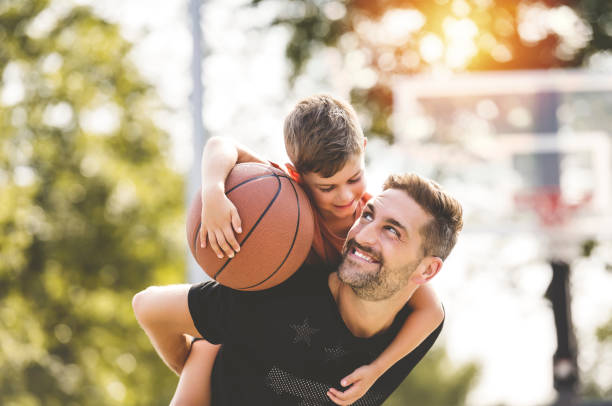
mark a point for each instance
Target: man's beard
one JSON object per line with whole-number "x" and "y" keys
{"x": 372, "y": 285}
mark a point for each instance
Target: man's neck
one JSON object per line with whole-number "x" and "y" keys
{"x": 366, "y": 318}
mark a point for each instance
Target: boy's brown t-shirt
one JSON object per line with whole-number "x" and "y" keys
{"x": 326, "y": 245}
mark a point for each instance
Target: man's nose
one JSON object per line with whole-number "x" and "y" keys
{"x": 367, "y": 235}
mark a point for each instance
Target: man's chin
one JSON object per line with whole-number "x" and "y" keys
{"x": 356, "y": 274}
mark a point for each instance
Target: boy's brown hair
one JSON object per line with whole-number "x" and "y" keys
{"x": 440, "y": 234}
{"x": 321, "y": 134}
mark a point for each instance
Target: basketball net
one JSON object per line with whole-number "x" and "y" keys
{"x": 554, "y": 214}
{"x": 548, "y": 204}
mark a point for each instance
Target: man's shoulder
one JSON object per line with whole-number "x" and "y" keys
{"x": 308, "y": 279}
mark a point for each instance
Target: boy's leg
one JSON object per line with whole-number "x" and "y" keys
{"x": 194, "y": 386}
{"x": 163, "y": 313}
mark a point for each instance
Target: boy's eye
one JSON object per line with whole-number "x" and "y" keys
{"x": 354, "y": 180}
{"x": 326, "y": 189}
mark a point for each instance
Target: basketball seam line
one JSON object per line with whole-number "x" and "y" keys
{"x": 256, "y": 178}
{"x": 297, "y": 227}
{"x": 258, "y": 220}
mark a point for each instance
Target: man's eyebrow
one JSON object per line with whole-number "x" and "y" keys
{"x": 392, "y": 221}
{"x": 397, "y": 224}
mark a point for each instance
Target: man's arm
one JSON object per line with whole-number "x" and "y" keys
{"x": 163, "y": 313}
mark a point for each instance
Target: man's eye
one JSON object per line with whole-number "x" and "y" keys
{"x": 393, "y": 231}
{"x": 367, "y": 216}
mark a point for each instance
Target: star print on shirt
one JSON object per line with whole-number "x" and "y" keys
{"x": 303, "y": 332}
{"x": 333, "y": 353}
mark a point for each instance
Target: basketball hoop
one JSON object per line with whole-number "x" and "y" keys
{"x": 549, "y": 205}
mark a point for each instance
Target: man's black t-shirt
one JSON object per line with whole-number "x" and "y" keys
{"x": 288, "y": 345}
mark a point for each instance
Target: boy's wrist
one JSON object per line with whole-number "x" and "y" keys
{"x": 214, "y": 188}
{"x": 378, "y": 367}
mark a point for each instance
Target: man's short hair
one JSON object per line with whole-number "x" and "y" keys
{"x": 439, "y": 234}
{"x": 321, "y": 134}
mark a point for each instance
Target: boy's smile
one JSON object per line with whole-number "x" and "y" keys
{"x": 337, "y": 197}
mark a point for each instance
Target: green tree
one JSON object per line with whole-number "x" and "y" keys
{"x": 593, "y": 388}
{"x": 435, "y": 382}
{"x": 89, "y": 212}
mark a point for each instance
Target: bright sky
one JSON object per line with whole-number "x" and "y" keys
{"x": 502, "y": 322}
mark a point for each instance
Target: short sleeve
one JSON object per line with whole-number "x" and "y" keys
{"x": 210, "y": 306}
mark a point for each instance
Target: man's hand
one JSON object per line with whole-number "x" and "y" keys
{"x": 361, "y": 380}
{"x": 219, "y": 221}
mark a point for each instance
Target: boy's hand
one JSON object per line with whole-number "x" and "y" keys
{"x": 219, "y": 221}
{"x": 361, "y": 379}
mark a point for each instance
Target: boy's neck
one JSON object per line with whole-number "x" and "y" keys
{"x": 339, "y": 226}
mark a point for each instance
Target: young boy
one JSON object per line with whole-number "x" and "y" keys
{"x": 326, "y": 147}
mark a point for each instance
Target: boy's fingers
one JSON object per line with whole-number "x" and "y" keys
{"x": 223, "y": 245}
{"x": 337, "y": 397}
{"x": 352, "y": 394}
{"x": 212, "y": 240}
{"x": 334, "y": 398}
{"x": 203, "y": 234}
{"x": 231, "y": 239}
{"x": 349, "y": 379}
{"x": 236, "y": 222}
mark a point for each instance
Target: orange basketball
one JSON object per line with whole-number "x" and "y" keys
{"x": 277, "y": 229}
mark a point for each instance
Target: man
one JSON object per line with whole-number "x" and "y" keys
{"x": 293, "y": 343}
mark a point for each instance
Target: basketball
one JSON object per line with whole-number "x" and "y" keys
{"x": 277, "y": 229}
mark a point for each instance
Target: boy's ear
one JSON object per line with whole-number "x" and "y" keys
{"x": 293, "y": 172}
{"x": 365, "y": 142}
{"x": 427, "y": 269}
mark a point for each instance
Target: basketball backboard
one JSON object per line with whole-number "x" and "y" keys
{"x": 530, "y": 151}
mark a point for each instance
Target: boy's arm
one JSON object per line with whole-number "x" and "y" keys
{"x": 219, "y": 215}
{"x": 426, "y": 316}
{"x": 164, "y": 315}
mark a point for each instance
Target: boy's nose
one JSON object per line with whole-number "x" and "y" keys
{"x": 345, "y": 195}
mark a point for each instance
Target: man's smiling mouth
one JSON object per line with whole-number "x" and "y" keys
{"x": 363, "y": 256}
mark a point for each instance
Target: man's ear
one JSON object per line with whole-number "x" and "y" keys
{"x": 427, "y": 269}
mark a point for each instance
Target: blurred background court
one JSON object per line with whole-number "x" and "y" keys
{"x": 507, "y": 104}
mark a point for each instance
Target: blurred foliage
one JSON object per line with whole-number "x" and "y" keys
{"x": 89, "y": 212}
{"x": 593, "y": 388}
{"x": 435, "y": 382}
{"x": 508, "y": 35}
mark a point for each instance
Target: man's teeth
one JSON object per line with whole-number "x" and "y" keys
{"x": 363, "y": 256}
